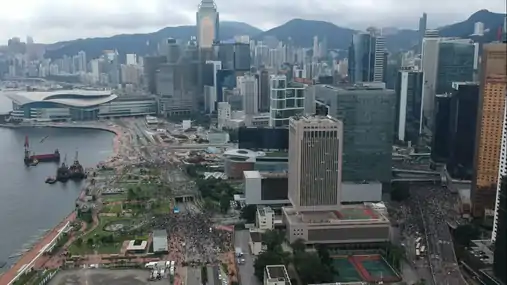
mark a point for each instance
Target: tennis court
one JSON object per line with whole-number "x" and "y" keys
{"x": 374, "y": 268}
{"x": 347, "y": 271}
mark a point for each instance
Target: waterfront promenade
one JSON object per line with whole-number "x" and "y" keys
{"x": 28, "y": 260}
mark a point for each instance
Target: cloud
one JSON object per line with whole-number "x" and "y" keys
{"x": 53, "y": 20}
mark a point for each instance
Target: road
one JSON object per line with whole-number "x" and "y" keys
{"x": 246, "y": 270}
{"x": 441, "y": 255}
{"x": 193, "y": 276}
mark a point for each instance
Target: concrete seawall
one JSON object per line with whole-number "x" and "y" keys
{"x": 62, "y": 126}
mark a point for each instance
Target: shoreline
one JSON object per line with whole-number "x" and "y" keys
{"x": 61, "y": 126}
{"x": 26, "y": 261}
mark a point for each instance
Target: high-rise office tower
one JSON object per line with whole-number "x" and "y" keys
{"x": 440, "y": 132}
{"x": 207, "y": 24}
{"x": 500, "y": 258}
{"x": 264, "y": 97}
{"x": 462, "y": 126}
{"x": 493, "y": 85}
{"x": 366, "y": 60}
{"x": 429, "y": 63}
{"x": 408, "y": 90}
{"x": 501, "y": 191}
{"x": 287, "y": 100}
{"x": 422, "y": 30}
{"x": 316, "y": 51}
{"x": 456, "y": 59}
{"x": 315, "y": 148}
{"x": 368, "y": 113}
{"x": 249, "y": 89}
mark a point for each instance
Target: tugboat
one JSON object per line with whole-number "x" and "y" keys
{"x": 50, "y": 180}
{"x": 63, "y": 173}
{"x": 76, "y": 170}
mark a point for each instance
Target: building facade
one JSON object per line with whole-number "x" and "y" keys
{"x": 408, "y": 89}
{"x": 287, "y": 100}
{"x": 78, "y": 105}
{"x": 315, "y": 159}
{"x": 207, "y": 24}
{"x": 337, "y": 227}
{"x": 249, "y": 89}
{"x": 366, "y": 59}
{"x": 500, "y": 233}
{"x": 456, "y": 60}
{"x": 367, "y": 113}
{"x": 492, "y": 90}
{"x": 463, "y": 123}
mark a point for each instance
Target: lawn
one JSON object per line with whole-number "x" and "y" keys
{"x": 163, "y": 207}
{"x": 114, "y": 198}
{"x": 112, "y": 208}
{"x": 96, "y": 234}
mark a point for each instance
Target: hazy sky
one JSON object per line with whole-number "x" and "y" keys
{"x": 54, "y": 20}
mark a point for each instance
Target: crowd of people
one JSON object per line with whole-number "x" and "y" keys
{"x": 197, "y": 238}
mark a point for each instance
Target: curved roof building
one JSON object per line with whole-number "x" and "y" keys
{"x": 68, "y": 98}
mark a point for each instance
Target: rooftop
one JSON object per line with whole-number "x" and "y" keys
{"x": 274, "y": 174}
{"x": 316, "y": 119}
{"x": 277, "y": 272}
{"x": 347, "y": 214}
{"x": 265, "y": 210}
{"x": 277, "y": 154}
{"x": 256, "y": 236}
{"x": 73, "y": 97}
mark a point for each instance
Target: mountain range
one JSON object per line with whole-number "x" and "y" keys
{"x": 299, "y": 30}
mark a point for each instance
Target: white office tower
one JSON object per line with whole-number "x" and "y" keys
{"x": 478, "y": 29}
{"x": 378, "y": 67}
{"x": 249, "y": 89}
{"x": 429, "y": 64}
{"x": 95, "y": 70}
{"x": 316, "y": 54}
{"x": 315, "y": 159}
{"x": 131, "y": 59}
{"x": 81, "y": 61}
{"x": 502, "y": 171}
{"x": 223, "y": 114}
{"x": 287, "y": 100}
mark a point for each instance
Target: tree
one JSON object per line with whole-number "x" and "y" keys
{"x": 324, "y": 255}
{"x": 400, "y": 192}
{"x": 225, "y": 204}
{"x": 248, "y": 213}
{"x": 298, "y": 246}
{"x": 272, "y": 239}
{"x": 90, "y": 241}
{"x": 464, "y": 234}
{"x": 264, "y": 259}
{"x": 310, "y": 268}
{"x": 131, "y": 194}
{"x": 79, "y": 242}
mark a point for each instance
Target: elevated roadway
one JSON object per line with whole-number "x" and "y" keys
{"x": 411, "y": 171}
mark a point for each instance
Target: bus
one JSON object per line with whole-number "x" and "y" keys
{"x": 417, "y": 245}
{"x": 418, "y": 240}
{"x": 417, "y": 253}
{"x": 423, "y": 248}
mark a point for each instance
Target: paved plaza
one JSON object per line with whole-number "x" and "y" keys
{"x": 104, "y": 277}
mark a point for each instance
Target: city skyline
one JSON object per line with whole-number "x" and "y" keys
{"x": 54, "y": 20}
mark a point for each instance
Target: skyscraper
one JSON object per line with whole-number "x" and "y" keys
{"x": 408, "y": 104}
{"x": 455, "y": 64}
{"x": 249, "y": 89}
{"x": 493, "y": 85}
{"x": 207, "y": 24}
{"x": 366, "y": 58}
{"x": 315, "y": 148}
{"x": 422, "y": 29}
{"x": 287, "y": 100}
{"x": 500, "y": 258}
{"x": 368, "y": 115}
{"x": 462, "y": 127}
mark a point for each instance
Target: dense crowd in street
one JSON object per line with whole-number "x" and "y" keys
{"x": 200, "y": 241}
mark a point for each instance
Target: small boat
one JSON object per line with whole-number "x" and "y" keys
{"x": 50, "y": 180}
{"x": 34, "y": 162}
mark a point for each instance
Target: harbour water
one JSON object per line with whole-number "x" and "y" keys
{"x": 28, "y": 206}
